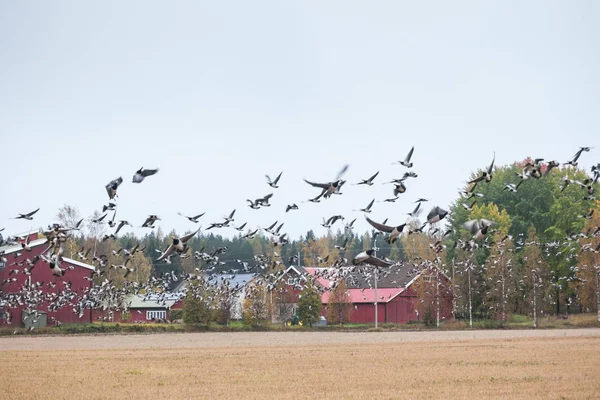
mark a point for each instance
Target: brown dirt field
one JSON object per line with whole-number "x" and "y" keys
{"x": 482, "y": 364}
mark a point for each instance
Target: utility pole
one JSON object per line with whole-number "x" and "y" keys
{"x": 453, "y": 292}
{"x": 437, "y": 296}
{"x": 299, "y": 260}
{"x": 470, "y": 303}
{"x": 534, "y": 299}
{"x": 376, "y": 273}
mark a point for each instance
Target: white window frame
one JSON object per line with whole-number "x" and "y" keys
{"x": 156, "y": 314}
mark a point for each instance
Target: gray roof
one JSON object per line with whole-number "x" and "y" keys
{"x": 232, "y": 280}
{"x": 394, "y": 277}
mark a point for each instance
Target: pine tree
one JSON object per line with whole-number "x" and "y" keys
{"x": 309, "y": 306}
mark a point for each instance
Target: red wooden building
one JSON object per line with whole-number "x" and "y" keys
{"x": 13, "y": 277}
{"x": 397, "y": 298}
{"x": 154, "y": 308}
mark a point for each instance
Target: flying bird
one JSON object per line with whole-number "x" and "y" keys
{"x": 367, "y": 257}
{"x": 194, "y": 218}
{"x": 273, "y": 183}
{"x": 406, "y": 161}
{"x": 416, "y": 211}
{"x": 28, "y": 216}
{"x": 142, "y": 173}
{"x": 177, "y": 245}
{"x": 111, "y": 206}
{"x": 551, "y": 165}
{"x": 399, "y": 188}
{"x": 149, "y": 223}
{"x": 330, "y": 188}
{"x": 112, "y": 186}
{"x": 264, "y": 201}
{"x": 512, "y": 187}
{"x": 573, "y": 161}
{"x": 121, "y": 225}
{"x": 478, "y": 227}
{"x": 394, "y": 231}
{"x": 436, "y": 215}
{"x": 291, "y": 207}
{"x": 367, "y": 209}
{"x": 369, "y": 181}
{"x": 99, "y": 219}
{"x": 486, "y": 175}
{"x": 229, "y": 218}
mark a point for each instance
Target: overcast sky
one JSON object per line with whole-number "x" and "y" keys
{"x": 218, "y": 94}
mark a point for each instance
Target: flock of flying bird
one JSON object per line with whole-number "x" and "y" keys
{"x": 108, "y": 296}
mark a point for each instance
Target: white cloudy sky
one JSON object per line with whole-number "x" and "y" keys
{"x": 217, "y": 94}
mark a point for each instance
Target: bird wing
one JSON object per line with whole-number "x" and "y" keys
{"x": 409, "y": 155}
{"x": 377, "y": 262}
{"x": 434, "y": 211}
{"x": 371, "y": 204}
{"x": 491, "y": 167}
{"x": 31, "y": 213}
{"x": 576, "y": 156}
{"x": 198, "y": 216}
{"x": 277, "y": 179}
{"x": 373, "y": 177}
{"x": 476, "y": 180}
{"x": 380, "y": 227}
{"x": 187, "y": 237}
{"x": 486, "y": 222}
{"x": 167, "y": 253}
{"x": 148, "y": 172}
{"x": 416, "y": 209}
{"x": 472, "y": 226}
{"x": 319, "y": 185}
{"x": 117, "y": 182}
{"x": 342, "y": 172}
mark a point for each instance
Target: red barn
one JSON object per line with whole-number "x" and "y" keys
{"x": 397, "y": 298}
{"x": 153, "y": 308}
{"x": 13, "y": 276}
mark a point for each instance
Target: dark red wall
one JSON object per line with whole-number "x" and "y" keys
{"x": 42, "y": 273}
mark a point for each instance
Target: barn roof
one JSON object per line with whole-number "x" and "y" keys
{"x": 79, "y": 264}
{"x": 362, "y": 277}
{"x": 13, "y": 248}
{"x": 231, "y": 280}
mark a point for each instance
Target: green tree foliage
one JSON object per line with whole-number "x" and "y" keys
{"x": 554, "y": 213}
{"x": 197, "y": 305}
{"x": 309, "y": 306}
{"x": 587, "y": 282}
{"x": 255, "y": 307}
{"x": 339, "y": 307}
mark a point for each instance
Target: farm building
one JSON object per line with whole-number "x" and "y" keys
{"x": 398, "y": 297}
{"x": 15, "y": 273}
{"x": 152, "y": 308}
